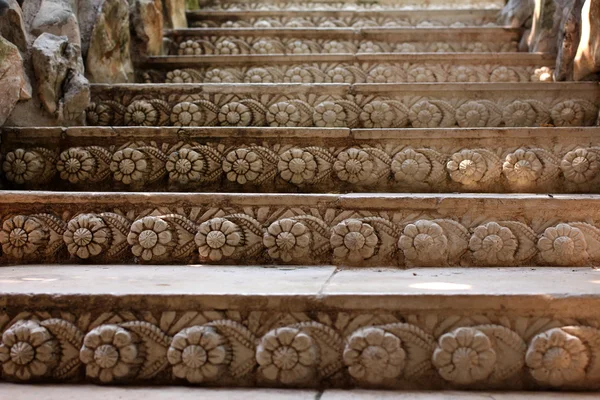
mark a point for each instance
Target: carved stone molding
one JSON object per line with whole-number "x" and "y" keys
{"x": 302, "y": 349}
{"x": 352, "y": 106}
{"x": 309, "y": 230}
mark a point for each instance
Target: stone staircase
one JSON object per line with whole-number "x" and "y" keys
{"x": 379, "y": 194}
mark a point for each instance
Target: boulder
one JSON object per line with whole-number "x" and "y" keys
{"x": 12, "y": 26}
{"x": 57, "y": 17}
{"x": 108, "y": 58}
{"x": 175, "y": 13}
{"x": 59, "y": 71}
{"x": 568, "y": 41}
{"x": 517, "y": 13}
{"x": 147, "y": 26}
{"x": 14, "y": 85}
{"x": 587, "y": 57}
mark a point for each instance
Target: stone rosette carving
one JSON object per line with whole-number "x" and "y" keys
{"x": 424, "y": 243}
{"x": 150, "y": 238}
{"x": 76, "y": 165}
{"x": 297, "y": 166}
{"x": 185, "y": 166}
{"x": 353, "y": 165}
{"x": 493, "y": 244}
{"x": 353, "y": 240}
{"x": 218, "y": 238}
{"x": 86, "y": 236}
{"x": 22, "y": 236}
{"x": 580, "y": 165}
{"x": 563, "y": 245}
{"x": 287, "y": 240}
{"x": 23, "y": 166}
{"x": 242, "y": 166}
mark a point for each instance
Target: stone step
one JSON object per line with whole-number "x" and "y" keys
{"x": 89, "y": 392}
{"x": 521, "y": 328}
{"x": 340, "y": 68}
{"x": 562, "y": 160}
{"x": 341, "y": 18}
{"x": 254, "y": 229}
{"x": 343, "y": 105}
{"x": 352, "y": 5}
{"x": 233, "y": 41}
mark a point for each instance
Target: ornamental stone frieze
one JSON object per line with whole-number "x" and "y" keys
{"x": 282, "y": 160}
{"x": 402, "y": 231}
{"x": 344, "y": 105}
{"x": 301, "y": 349}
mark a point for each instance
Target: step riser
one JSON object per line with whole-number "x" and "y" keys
{"x": 345, "y": 230}
{"x": 416, "y": 106}
{"x": 383, "y": 157}
{"x": 234, "y": 41}
{"x": 245, "y": 337}
{"x": 354, "y": 5}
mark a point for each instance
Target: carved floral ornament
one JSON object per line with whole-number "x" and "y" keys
{"x": 305, "y": 354}
{"x": 239, "y": 238}
{"x": 189, "y": 165}
{"x": 337, "y": 111}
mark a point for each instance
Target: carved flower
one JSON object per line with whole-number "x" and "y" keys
{"x": 217, "y": 75}
{"x": 519, "y": 113}
{"x": 149, "y": 238}
{"x": 22, "y": 166}
{"x": 424, "y": 243}
{"x": 568, "y": 113}
{"x": 440, "y": 47}
{"x": 543, "y": 74}
{"x": 21, "y": 235}
{"x": 128, "y": 165}
{"x": 227, "y": 47}
{"x": 504, "y": 74}
{"x": 373, "y": 354}
{"x": 99, "y": 115}
{"x": 493, "y": 244}
{"x": 580, "y": 166}
{"x": 76, "y": 164}
{"x": 287, "y": 355}
{"x": 86, "y": 236}
{"x": 27, "y": 350}
{"x": 258, "y": 75}
{"x": 287, "y": 239}
{"x": 297, "y": 166}
{"x": 242, "y": 165}
{"x": 354, "y": 240}
{"x": 369, "y": 47}
{"x": 178, "y": 76}
{"x": 217, "y": 238}
{"x": 472, "y": 114}
{"x": 186, "y": 114}
{"x": 199, "y": 354}
{"x": 298, "y": 75}
{"x": 410, "y": 166}
{"x": 477, "y": 47}
{"x": 462, "y": 74}
{"x": 235, "y": 114}
{"x": 421, "y": 74}
{"x": 141, "y": 113}
{"x": 522, "y": 167}
{"x": 340, "y": 75}
{"x": 283, "y": 114}
{"x": 467, "y": 167}
{"x": 329, "y": 114}
{"x": 382, "y": 74}
{"x": 556, "y": 357}
{"x": 563, "y": 245}
{"x": 189, "y": 48}
{"x": 185, "y": 166}
{"x": 298, "y": 47}
{"x": 353, "y": 165}
{"x": 425, "y": 115}
{"x": 377, "y": 114}
{"x": 109, "y": 352}
{"x": 464, "y": 356}
{"x": 264, "y": 46}
{"x": 405, "y": 48}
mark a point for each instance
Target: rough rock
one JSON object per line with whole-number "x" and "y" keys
{"x": 147, "y": 26}
{"x": 544, "y": 29}
{"x": 57, "y": 17}
{"x": 108, "y": 59}
{"x": 175, "y": 12}
{"x": 568, "y": 41}
{"x": 12, "y": 26}
{"x": 587, "y": 59}
{"x": 14, "y": 85}
{"x": 56, "y": 65}
{"x": 517, "y": 13}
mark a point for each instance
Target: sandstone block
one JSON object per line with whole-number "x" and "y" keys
{"x": 14, "y": 85}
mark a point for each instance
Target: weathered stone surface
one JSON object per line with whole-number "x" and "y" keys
{"x": 568, "y": 41}
{"x": 14, "y": 85}
{"x": 54, "y": 60}
{"x": 175, "y": 13}
{"x": 59, "y": 18}
{"x": 12, "y": 26}
{"x": 587, "y": 59}
{"x": 517, "y": 13}
{"x": 108, "y": 57}
{"x": 147, "y": 26}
